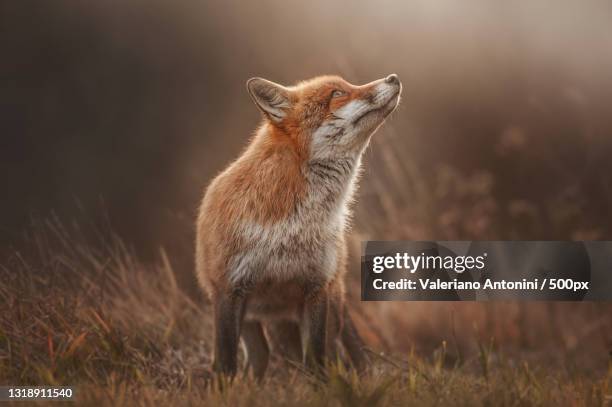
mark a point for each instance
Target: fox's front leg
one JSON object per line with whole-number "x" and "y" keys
{"x": 314, "y": 327}
{"x": 229, "y": 312}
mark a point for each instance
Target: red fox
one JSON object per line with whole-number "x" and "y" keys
{"x": 271, "y": 228}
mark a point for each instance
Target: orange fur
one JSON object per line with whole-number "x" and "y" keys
{"x": 270, "y": 233}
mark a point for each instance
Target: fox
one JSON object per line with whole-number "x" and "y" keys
{"x": 271, "y": 246}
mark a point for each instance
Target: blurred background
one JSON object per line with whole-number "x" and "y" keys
{"x": 124, "y": 111}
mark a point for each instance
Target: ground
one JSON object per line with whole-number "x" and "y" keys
{"x": 124, "y": 333}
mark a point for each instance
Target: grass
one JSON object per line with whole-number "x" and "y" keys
{"x": 93, "y": 316}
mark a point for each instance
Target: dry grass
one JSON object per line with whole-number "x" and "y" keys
{"x": 125, "y": 333}
{"x": 503, "y": 134}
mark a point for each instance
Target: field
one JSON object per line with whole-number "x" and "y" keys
{"x": 125, "y": 333}
{"x": 117, "y": 114}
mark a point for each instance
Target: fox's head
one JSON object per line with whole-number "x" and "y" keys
{"x": 326, "y": 116}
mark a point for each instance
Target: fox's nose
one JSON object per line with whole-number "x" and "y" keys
{"x": 393, "y": 78}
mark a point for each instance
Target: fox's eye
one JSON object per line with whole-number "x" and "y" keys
{"x": 337, "y": 93}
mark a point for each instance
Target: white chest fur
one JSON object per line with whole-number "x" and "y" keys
{"x": 303, "y": 246}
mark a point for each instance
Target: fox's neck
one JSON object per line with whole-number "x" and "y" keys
{"x": 327, "y": 183}
{"x": 331, "y": 182}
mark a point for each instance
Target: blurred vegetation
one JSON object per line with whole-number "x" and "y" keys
{"x": 503, "y": 131}
{"x": 120, "y": 113}
{"x": 124, "y": 333}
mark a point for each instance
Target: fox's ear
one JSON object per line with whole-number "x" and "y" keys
{"x": 271, "y": 98}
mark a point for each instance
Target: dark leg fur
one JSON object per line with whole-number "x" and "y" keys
{"x": 229, "y": 310}
{"x": 314, "y": 329}
{"x": 334, "y": 327}
{"x": 353, "y": 344}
